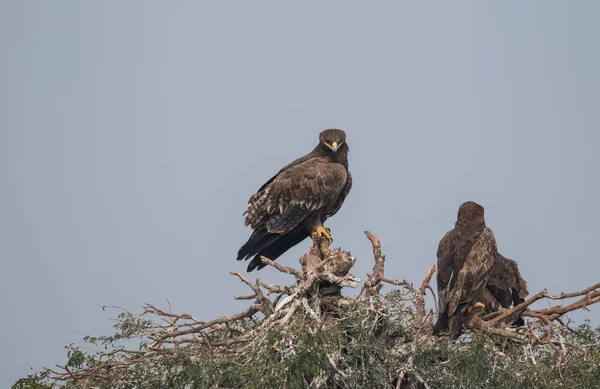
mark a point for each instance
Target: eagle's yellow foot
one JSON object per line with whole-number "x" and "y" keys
{"x": 330, "y": 238}
{"x": 475, "y": 307}
{"x": 322, "y": 232}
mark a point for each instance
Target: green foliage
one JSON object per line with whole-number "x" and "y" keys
{"x": 365, "y": 346}
{"x": 481, "y": 363}
{"x": 34, "y": 381}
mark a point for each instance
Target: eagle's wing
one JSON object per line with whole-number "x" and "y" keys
{"x": 503, "y": 282}
{"x": 474, "y": 274}
{"x": 444, "y": 270}
{"x": 520, "y": 283}
{"x": 506, "y": 283}
{"x": 295, "y": 194}
{"x": 489, "y": 300}
{"x": 286, "y": 167}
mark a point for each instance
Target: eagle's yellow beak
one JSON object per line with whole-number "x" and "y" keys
{"x": 334, "y": 146}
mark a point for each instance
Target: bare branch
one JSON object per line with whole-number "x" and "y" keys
{"x": 420, "y": 296}
{"x": 281, "y": 268}
{"x": 373, "y": 283}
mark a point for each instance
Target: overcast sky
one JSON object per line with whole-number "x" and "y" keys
{"x": 133, "y": 133}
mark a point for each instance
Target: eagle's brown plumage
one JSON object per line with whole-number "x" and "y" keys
{"x": 300, "y": 197}
{"x": 466, "y": 256}
{"x": 506, "y": 287}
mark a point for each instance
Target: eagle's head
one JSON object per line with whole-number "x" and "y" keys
{"x": 470, "y": 213}
{"x": 332, "y": 140}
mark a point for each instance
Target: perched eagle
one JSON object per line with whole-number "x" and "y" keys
{"x": 505, "y": 287}
{"x": 466, "y": 256}
{"x": 295, "y": 202}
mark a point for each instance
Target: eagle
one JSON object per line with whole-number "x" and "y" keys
{"x": 296, "y": 201}
{"x": 465, "y": 259}
{"x": 506, "y": 287}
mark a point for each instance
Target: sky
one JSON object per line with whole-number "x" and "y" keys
{"x": 133, "y": 133}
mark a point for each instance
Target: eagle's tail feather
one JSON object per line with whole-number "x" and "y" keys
{"x": 441, "y": 324}
{"x": 272, "y": 246}
{"x": 519, "y": 322}
{"x": 257, "y": 241}
{"x": 450, "y": 324}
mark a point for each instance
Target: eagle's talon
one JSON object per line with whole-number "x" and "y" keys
{"x": 322, "y": 232}
{"x": 330, "y": 238}
{"x": 479, "y": 305}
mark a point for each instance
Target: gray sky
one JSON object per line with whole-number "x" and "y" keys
{"x": 132, "y": 134}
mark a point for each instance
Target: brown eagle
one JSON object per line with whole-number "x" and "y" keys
{"x": 466, "y": 256}
{"x": 506, "y": 287}
{"x": 295, "y": 202}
